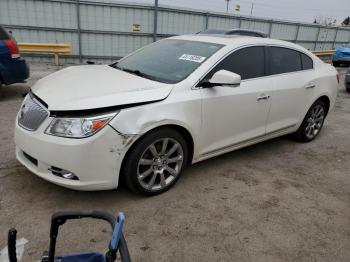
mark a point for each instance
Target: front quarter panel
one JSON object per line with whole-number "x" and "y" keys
{"x": 181, "y": 108}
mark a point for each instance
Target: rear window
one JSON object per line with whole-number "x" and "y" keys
{"x": 307, "y": 62}
{"x": 283, "y": 60}
{"x": 3, "y": 34}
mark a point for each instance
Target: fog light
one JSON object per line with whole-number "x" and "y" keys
{"x": 69, "y": 176}
{"x": 63, "y": 173}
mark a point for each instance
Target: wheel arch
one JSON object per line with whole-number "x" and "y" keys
{"x": 2, "y": 70}
{"x": 299, "y": 133}
{"x": 325, "y": 99}
{"x": 186, "y": 134}
{"x": 2, "y": 82}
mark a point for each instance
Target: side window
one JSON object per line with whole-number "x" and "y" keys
{"x": 306, "y": 62}
{"x": 248, "y": 62}
{"x": 283, "y": 60}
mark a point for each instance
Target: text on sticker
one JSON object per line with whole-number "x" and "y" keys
{"x": 193, "y": 58}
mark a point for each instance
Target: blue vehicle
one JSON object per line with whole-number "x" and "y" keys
{"x": 341, "y": 56}
{"x": 13, "y": 68}
{"x": 116, "y": 245}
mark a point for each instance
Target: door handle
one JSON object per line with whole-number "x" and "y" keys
{"x": 310, "y": 86}
{"x": 263, "y": 97}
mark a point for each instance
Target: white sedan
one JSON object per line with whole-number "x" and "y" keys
{"x": 172, "y": 103}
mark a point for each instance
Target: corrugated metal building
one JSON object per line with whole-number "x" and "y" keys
{"x": 105, "y": 31}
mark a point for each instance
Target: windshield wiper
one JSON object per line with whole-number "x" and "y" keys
{"x": 138, "y": 73}
{"x": 115, "y": 65}
{"x": 135, "y": 72}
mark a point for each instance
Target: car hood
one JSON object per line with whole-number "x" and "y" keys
{"x": 96, "y": 86}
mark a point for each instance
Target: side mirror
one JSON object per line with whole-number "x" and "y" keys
{"x": 223, "y": 78}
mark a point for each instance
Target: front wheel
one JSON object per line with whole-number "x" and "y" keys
{"x": 312, "y": 123}
{"x": 155, "y": 163}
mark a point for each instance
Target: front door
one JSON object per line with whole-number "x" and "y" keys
{"x": 236, "y": 115}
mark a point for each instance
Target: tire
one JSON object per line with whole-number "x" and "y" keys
{"x": 336, "y": 64}
{"x": 312, "y": 123}
{"x": 158, "y": 171}
{"x": 348, "y": 89}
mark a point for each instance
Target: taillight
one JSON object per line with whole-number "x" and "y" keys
{"x": 338, "y": 78}
{"x": 13, "y": 48}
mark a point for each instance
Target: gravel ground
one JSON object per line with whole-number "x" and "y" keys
{"x": 276, "y": 201}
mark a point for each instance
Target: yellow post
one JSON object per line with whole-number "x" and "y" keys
{"x": 56, "y": 59}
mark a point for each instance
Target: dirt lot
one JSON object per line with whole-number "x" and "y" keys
{"x": 275, "y": 201}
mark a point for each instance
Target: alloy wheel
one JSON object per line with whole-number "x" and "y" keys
{"x": 315, "y": 121}
{"x": 160, "y": 164}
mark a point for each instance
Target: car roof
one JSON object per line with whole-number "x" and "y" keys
{"x": 243, "y": 32}
{"x": 235, "y": 41}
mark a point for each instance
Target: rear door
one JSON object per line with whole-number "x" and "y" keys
{"x": 290, "y": 72}
{"x": 235, "y": 115}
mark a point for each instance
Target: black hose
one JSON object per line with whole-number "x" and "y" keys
{"x": 11, "y": 245}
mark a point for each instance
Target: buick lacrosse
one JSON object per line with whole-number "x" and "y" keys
{"x": 172, "y": 103}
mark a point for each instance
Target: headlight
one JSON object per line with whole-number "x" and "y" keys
{"x": 78, "y": 127}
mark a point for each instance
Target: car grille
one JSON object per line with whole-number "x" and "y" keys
{"x": 32, "y": 114}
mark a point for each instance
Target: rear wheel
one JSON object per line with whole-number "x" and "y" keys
{"x": 312, "y": 123}
{"x": 156, "y": 162}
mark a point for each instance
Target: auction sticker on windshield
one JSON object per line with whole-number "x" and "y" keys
{"x": 192, "y": 58}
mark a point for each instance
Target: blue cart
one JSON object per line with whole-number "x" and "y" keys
{"x": 117, "y": 243}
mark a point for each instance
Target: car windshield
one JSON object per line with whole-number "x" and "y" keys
{"x": 169, "y": 60}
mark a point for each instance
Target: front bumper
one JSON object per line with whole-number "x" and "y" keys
{"x": 341, "y": 60}
{"x": 95, "y": 160}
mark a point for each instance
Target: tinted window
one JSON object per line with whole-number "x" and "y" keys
{"x": 3, "y": 34}
{"x": 247, "y": 62}
{"x": 283, "y": 60}
{"x": 306, "y": 61}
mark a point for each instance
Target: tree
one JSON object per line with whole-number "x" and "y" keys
{"x": 346, "y": 21}
{"x": 325, "y": 20}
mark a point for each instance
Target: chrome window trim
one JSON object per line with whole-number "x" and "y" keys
{"x": 195, "y": 87}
